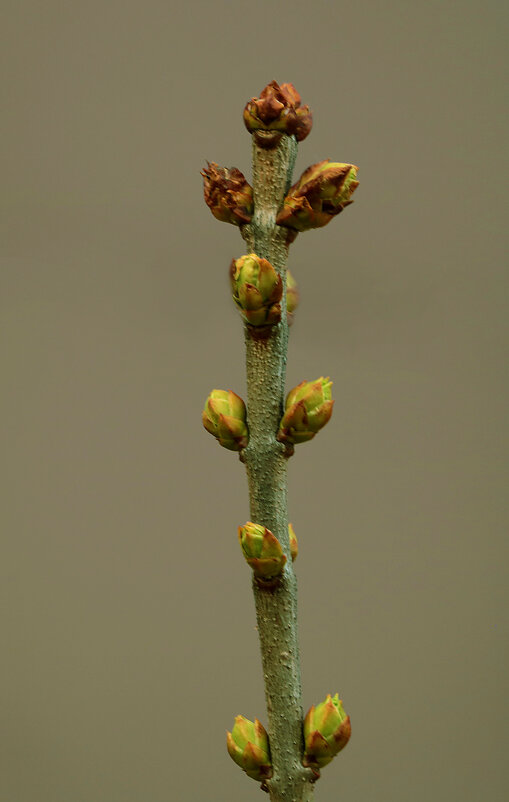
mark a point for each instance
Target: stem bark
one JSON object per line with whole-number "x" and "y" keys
{"x": 266, "y": 463}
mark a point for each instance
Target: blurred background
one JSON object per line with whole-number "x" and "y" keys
{"x": 129, "y": 639}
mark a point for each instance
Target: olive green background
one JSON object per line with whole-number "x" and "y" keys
{"x": 129, "y": 638}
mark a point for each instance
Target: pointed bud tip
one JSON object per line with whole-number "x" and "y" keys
{"x": 322, "y": 192}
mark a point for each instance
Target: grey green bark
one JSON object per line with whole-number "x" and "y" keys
{"x": 266, "y": 462}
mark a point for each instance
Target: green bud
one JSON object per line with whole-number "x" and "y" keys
{"x": 224, "y": 416}
{"x": 308, "y": 409}
{"x": 322, "y": 191}
{"x": 262, "y": 550}
{"x": 292, "y": 297}
{"x": 294, "y": 546}
{"x": 257, "y": 290}
{"x": 248, "y": 746}
{"x": 327, "y": 730}
{"x": 278, "y": 110}
{"x": 227, "y": 194}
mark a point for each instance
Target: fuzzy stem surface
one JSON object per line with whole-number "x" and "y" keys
{"x": 266, "y": 465}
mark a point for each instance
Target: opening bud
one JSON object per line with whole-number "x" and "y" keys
{"x": 277, "y": 111}
{"x": 224, "y": 416}
{"x": 322, "y": 191}
{"x": 327, "y": 730}
{"x": 262, "y": 551}
{"x": 308, "y": 408}
{"x": 227, "y": 194}
{"x": 256, "y": 289}
{"x": 248, "y": 746}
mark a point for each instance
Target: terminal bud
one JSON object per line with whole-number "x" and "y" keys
{"x": 277, "y": 111}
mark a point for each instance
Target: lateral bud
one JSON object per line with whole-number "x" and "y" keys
{"x": 327, "y": 730}
{"x": 227, "y": 194}
{"x": 256, "y": 289}
{"x": 224, "y": 416}
{"x": 262, "y": 551}
{"x": 294, "y": 546}
{"x": 292, "y": 297}
{"x": 248, "y": 746}
{"x": 322, "y": 191}
{"x": 308, "y": 408}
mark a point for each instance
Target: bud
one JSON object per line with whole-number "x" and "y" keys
{"x": 224, "y": 416}
{"x": 262, "y": 550}
{"x": 292, "y": 297}
{"x": 227, "y": 194}
{"x": 322, "y": 191}
{"x": 248, "y": 746}
{"x": 277, "y": 111}
{"x": 327, "y": 730}
{"x": 308, "y": 409}
{"x": 257, "y": 290}
{"x": 294, "y": 546}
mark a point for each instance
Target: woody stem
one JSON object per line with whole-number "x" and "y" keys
{"x": 266, "y": 461}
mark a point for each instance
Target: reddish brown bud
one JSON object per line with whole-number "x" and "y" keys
{"x": 227, "y": 194}
{"x": 322, "y": 191}
{"x": 277, "y": 111}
